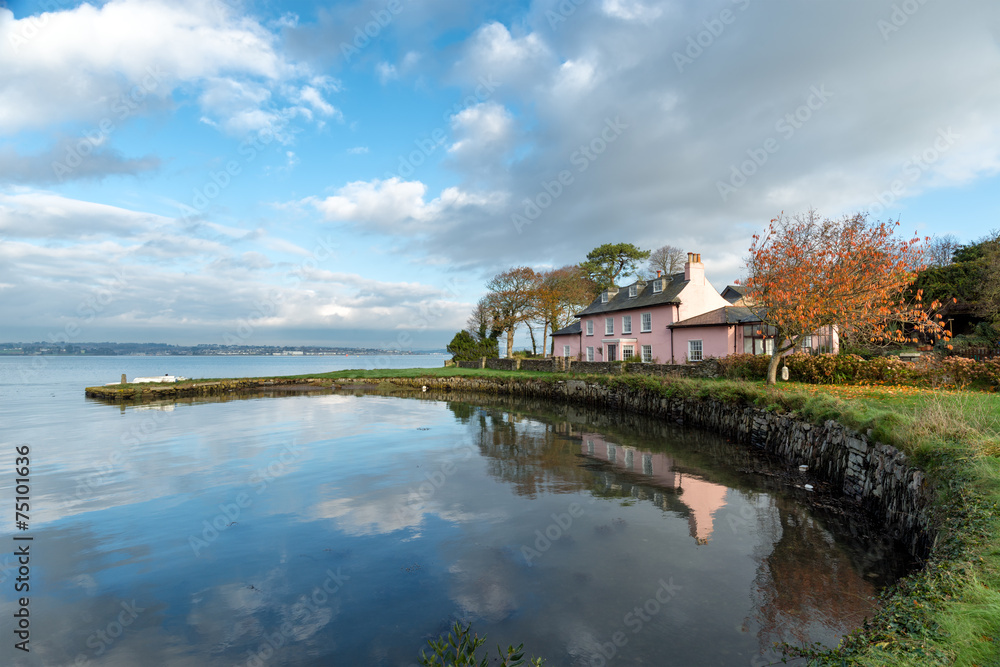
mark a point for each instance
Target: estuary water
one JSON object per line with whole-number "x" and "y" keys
{"x": 347, "y": 528}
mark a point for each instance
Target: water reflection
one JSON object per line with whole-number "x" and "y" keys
{"x": 539, "y": 523}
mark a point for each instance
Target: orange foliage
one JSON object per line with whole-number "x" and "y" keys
{"x": 807, "y": 273}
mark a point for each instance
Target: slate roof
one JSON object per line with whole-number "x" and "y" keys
{"x": 734, "y": 293}
{"x": 575, "y": 328}
{"x": 644, "y": 299}
{"x": 718, "y": 317}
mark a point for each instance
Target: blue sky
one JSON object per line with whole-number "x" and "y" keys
{"x": 268, "y": 172}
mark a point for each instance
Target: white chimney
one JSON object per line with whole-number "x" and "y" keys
{"x": 694, "y": 270}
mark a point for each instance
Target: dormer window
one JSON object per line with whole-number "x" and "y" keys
{"x": 604, "y": 297}
{"x": 633, "y": 291}
{"x": 657, "y": 286}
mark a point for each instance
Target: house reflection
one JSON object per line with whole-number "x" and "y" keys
{"x": 701, "y": 498}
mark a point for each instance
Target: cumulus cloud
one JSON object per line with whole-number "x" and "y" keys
{"x": 394, "y": 205}
{"x": 126, "y": 56}
{"x": 658, "y": 138}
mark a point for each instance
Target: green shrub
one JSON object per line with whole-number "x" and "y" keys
{"x": 458, "y": 649}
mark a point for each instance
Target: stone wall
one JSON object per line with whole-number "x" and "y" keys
{"x": 503, "y": 364}
{"x": 876, "y": 477}
{"x": 550, "y": 365}
{"x": 705, "y": 369}
{"x": 708, "y": 368}
{"x": 602, "y": 367}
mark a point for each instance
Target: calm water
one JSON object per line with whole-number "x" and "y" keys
{"x": 346, "y": 530}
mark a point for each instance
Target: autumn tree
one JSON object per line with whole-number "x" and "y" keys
{"x": 808, "y": 273}
{"x": 606, "y": 263}
{"x": 666, "y": 259}
{"x": 561, "y": 294}
{"x": 510, "y": 298}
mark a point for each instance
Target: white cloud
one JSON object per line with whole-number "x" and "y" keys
{"x": 127, "y": 57}
{"x": 394, "y": 205}
{"x": 386, "y": 72}
{"x": 481, "y": 127}
{"x": 631, "y": 10}
{"x": 29, "y": 214}
{"x": 314, "y": 98}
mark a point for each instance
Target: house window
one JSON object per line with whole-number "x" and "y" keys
{"x": 604, "y": 297}
{"x": 694, "y": 350}
{"x": 612, "y": 453}
{"x": 590, "y": 354}
{"x": 609, "y": 325}
{"x": 806, "y": 342}
{"x": 657, "y": 286}
{"x": 590, "y": 447}
{"x": 590, "y": 327}
{"x": 565, "y": 350}
{"x": 628, "y": 351}
{"x": 758, "y": 339}
{"x": 647, "y": 464}
{"x": 647, "y": 353}
{"x": 647, "y": 322}
{"x": 626, "y": 324}
{"x": 633, "y": 291}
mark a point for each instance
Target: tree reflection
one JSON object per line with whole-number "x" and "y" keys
{"x": 800, "y": 588}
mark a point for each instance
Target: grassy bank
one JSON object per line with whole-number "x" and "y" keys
{"x": 946, "y": 614}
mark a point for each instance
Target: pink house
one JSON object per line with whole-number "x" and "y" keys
{"x": 671, "y": 319}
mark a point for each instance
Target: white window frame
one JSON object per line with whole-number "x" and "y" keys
{"x": 590, "y": 354}
{"x": 646, "y": 322}
{"x": 633, "y": 291}
{"x": 565, "y": 350}
{"x": 628, "y": 352}
{"x": 647, "y": 354}
{"x": 806, "y": 343}
{"x": 604, "y": 297}
{"x": 626, "y": 324}
{"x": 590, "y": 327}
{"x": 609, "y": 326}
{"x": 657, "y": 286}
{"x": 696, "y": 354}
